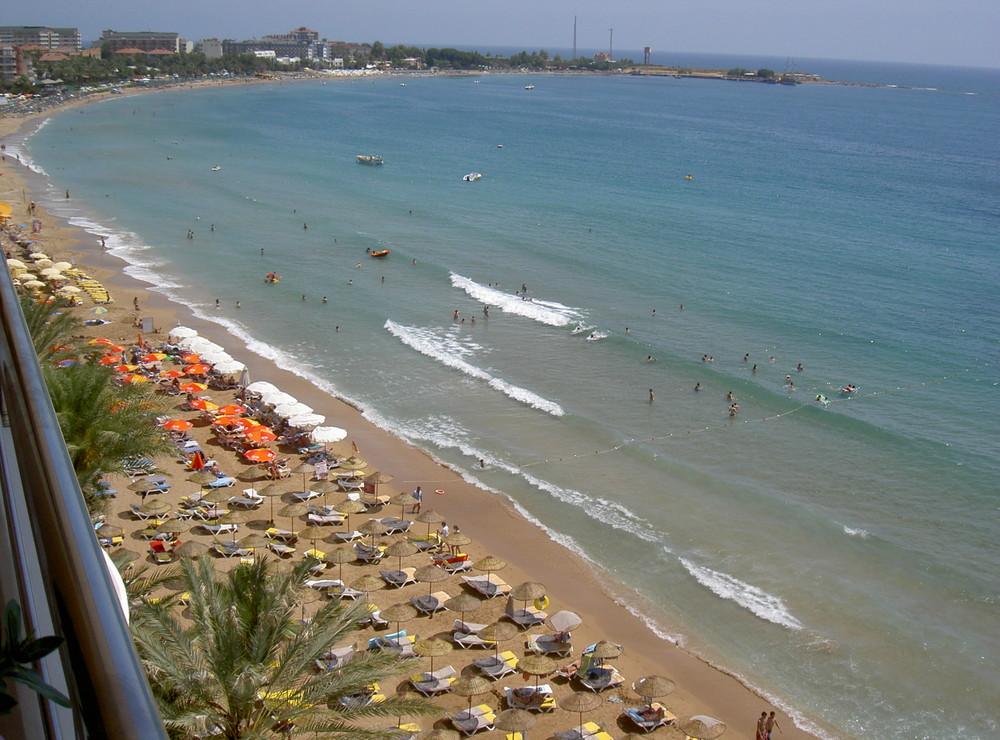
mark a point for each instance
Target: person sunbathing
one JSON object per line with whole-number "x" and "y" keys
{"x": 650, "y": 713}
{"x": 527, "y": 696}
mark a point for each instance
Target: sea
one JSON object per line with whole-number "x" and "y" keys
{"x": 566, "y": 332}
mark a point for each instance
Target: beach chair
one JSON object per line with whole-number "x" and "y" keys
{"x": 228, "y": 549}
{"x": 216, "y": 528}
{"x": 549, "y": 645}
{"x": 600, "y": 679}
{"x": 138, "y": 513}
{"x": 457, "y": 563}
{"x": 465, "y": 640}
{"x": 343, "y": 592}
{"x": 490, "y": 587}
{"x": 306, "y": 495}
{"x": 381, "y": 642}
{"x": 246, "y": 503}
{"x": 583, "y": 732}
{"x": 497, "y": 667}
{"x": 531, "y": 698}
{"x": 469, "y": 726}
{"x": 369, "y": 554}
{"x": 349, "y": 536}
{"x": 375, "y": 618}
{"x": 430, "y": 604}
{"x": 471, "y": 628}
{"x": 285, "y": 535}
{"x": 336, "y": 658}
{"x": 399, "y": 578}
{"x": 425, "y": 542}
{"x": 437, "y": 682}
{"x": 315, "y": 554}
{"x": 395, "y": 525}
{"x": 527, "y": 617}
{"x": 659, "y": 716}
{"x": 111, "y": 541}
{"x": 322, "y": 584}
{"x": 371, "y": 694}
{"x": 325, "y": 515}
{"x": 224, "y": 482}
{"x": 281, "y": 549}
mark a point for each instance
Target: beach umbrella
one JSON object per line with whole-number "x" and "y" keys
{"x": 293, "y": 408}
{"x": 103, "y": 342}
{"x": 197, "y": 369}
{"x": 403, "y": 500}
{"x": 292, "y": 511}
{"x": 327, "y": 435}
{"x": 191, "y": 359}
{"x": 259, "y": 454}
{"x": 174, "y": 526}
{"x": 135, "y": 378}
{"x": 225, "y": 421}
{"x": 470, "y": 686}
{"x": 155, "y": 507}
{"x": 338, "y": 556}
{"x": 464, "y": 602}
{"x": 398, "y": 613}
{"x": 171, "y": 374}
{"x": 98, "y": 310}
{"x": 181, "y": 332}
{"x": 348, "y": 507}
{"x": 441, "y": 734}
{"x": 253, "y": 541}
{"x": 305, "y": 421}
{"x": 580, "y": 702}
{"x": 192, "y": 549}
{"x": 528, "y": 591}
{"x": 429, "y": 518}
{"x": 604, "y": 650}
{"x": 432, "y": 647}
{"x": 457, "y": 540}
{"x": 232, "y": 409}
{"x": 126, "y": 368}
{"x": 229, "y": 366}
{"x": 431, "y": 574}
{"x": 498, "y": 632}
{"x": 271, "y": 491}
{"x": 33, "y": 284}
{"x": 367, "y": 583}
{"x": 154, "y": 357}
{"x": 62, "y": 265}
{"x": 651, "y": 687}
{"x": 304, "y": 469}
{"x": 537, "y": 666}
{"x": 38, "y": 256}
{"x": 401, "y": 549}
{"x": 110, "y": 360}
{"x": 142, "y": 487}
{"x": 489, "y": 565}
{"x": 260, "y": 435}
{"x": 177, "y": 425}
{"x": 234, "y": 517}
{"x": 702, "y": 727}
{"x": 217, "y": 496}
{"x": 515, "y": 720}
{"x": 325, "y": 487}
{"x": 250, "y": 475}
{"x": 198, "y": 403}
{"x": 276, "y": 397}
{"x": 16, "y": 264}
{"x": 261, "y": 386}
{"x": 109, "y": 530}
{"x": 353, "y": 463}
{"x": 312, "y": 534}
{"x": 202, "y": 477}
{"x": 563, "y": 621}
{"x": 123, "y": 555}
{"x": 373, "y": 527}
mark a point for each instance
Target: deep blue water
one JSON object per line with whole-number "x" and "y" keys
{"x": 841, "y": 557}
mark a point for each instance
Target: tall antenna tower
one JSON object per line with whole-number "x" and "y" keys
{"x": 574, "y": 37}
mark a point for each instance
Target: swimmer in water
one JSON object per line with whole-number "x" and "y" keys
{"x": 697, "y": 386}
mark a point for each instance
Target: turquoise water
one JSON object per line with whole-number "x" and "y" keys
{"x": 840, "y": 558}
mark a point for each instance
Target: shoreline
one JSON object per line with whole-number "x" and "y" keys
{"x": 490, "y": 519}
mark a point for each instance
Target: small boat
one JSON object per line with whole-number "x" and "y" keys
{"x": 381, "y": 253}
{"x": 529, "y": 87}
{"x": 369, "y": 159}
{"x": 472, "y": 176}
{"x": 217, "y": 168}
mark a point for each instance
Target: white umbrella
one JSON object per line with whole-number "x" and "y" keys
{"x": 296, "y": 408}
{"x": 306, "y": 421}
{"x": 69, "y": 289}
{"x": 34, "y": 284}
{"x": 38, "y": 256}
{"x": 199, "y": 345}
{"x": 62, "y": 266}
{"x": 277, "y": 397}
{"x": 46, "y": 262}
{"x": 260, "y": 387}
{"x": 327, "y": 435}
{"x": 230, "y": 367}
{"x": 181, "y": 332}
{"x": 214, "y": 357}
{"x": 16, "y": 264}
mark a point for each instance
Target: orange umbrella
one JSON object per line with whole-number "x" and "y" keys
{"x": 194, "y": 388}
{"x": 197, "y": 369}
{"x": 232, "y": 410}
{"x": 101, "y": 341}
{"x": 116, "y": 348}
{"x": 259, "y": 455}
{"x": 197, "y": 462}
{"x": 191, "y": 359}
{"x": 259, "y": 435}
{"x": 110, "y": 360}
{"x": 126, "y": 368}
{"x": 243, "y": 423}
{"x": 203, "y": 405}
{"x": 154, "y": 357}
{"x": 224, "y": 421}
{"x": 135, "y": 378}
{"x": 171, "y": 374}
{"x": 177, "y": 425}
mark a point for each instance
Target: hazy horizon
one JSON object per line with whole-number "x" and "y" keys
{"x": 960, "y": 33}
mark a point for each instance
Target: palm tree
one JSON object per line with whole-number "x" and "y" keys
{"x": 49, "y": 328}
{"x": 103, "y": 425}
{"x": 245, "y": 668}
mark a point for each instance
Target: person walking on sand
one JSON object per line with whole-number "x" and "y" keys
{"x": 761, "y": 733}
{"x": 419, "y": 496}
{"x": 770, "y": 724}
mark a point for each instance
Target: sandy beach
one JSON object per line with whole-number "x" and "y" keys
{"x": 494, "y": 525}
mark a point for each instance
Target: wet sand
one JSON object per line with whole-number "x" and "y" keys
{"x": 488, "y": 519}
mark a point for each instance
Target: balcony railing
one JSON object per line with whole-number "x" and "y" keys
{"x": 51, "y": 563}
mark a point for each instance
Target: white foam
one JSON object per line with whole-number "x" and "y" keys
{"x": 450, "y": 351}
{"x": 544, "y": 312}
{"x": 863, "y": 534}
{"x": 764, "y": 605}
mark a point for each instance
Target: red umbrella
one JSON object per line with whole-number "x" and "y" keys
{"x": 197, "y": 461}
{"x": 110, "y": 360}
{"x": 232, "y": 410}
{"x": 202, "y": 404}
{"x": 178, "y": 425}
{"x": 116, "y": 348}
{"x": 191, "y": 359}
{"x": 125, "y": 368}
{"x": 259, "y": 454}
{"x": 171, "y": 374}
{"x": 102, "y": 341}
{"x": 194, "y": 388}
{"x": 224, "y": 421}
{"x": 154, "y": 357}
{"x": 260, "y": 435}
{"x": 135, "y": 378}
{"x": 197, "y": 369}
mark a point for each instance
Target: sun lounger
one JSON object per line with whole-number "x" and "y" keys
{"x": 163, "y": 557}
{"x": 487, "y": 586}
{"x": 371, "y": 694}
{"x": 600, "y": 679}
{"x": 425, "y": 542}
{"x": 379, "y": 642}
{"x": 527, "y": 617}
{"x": 306, "y": 495}
{"x": 213, "y": 528}
{"x": 343, "y": 592}
{"x": 471, "y": 725}
{"x": 394, "y": 525}
{"x": 111, "y": 541}
{"x": 477, "y": 711}
{"x": 431, "y": 684}
{"x": 246, "y": 503}
{"x": 281, "y": 549}
{"x": 662, "y": 717}
{"x": 457, "y": 563}
{"x": 375, "y": 619}
{"x": 349, "y": 536}
{"x": 495, "y": 668}
{"x": 531, "y": 698}
{"x": 138, "y": 513}
{"x": 583, "y": 732}
{"x": 368, "y": 554}
{"x": 336, "y": 658}
{"x": 399, "y": 578}
{"x": 430, "y": 604}
{"x": 285, "y": 535}
{"x": 549, "y": 645}
{"x": 224, "y": 482}
{"x": 317, "y": 517}
{"x": 466, "y": 640}
{"x": 322, "y": 584}
{"x": 230, "y": 549}
{"x": 471, "y": 628}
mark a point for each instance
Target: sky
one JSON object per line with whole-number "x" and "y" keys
{"x": 951, "y": 32}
